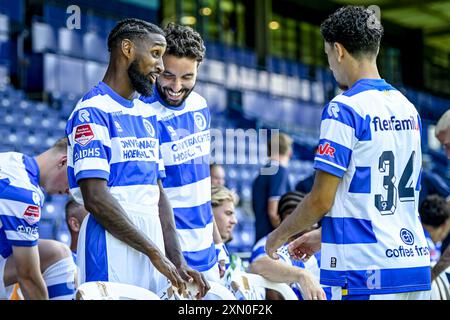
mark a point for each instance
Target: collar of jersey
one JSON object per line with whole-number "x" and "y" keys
{"x": 370, "y": 82}
{"x": 168, "y": 106}
{"x": 115, "y": 96}
{"x": 32, "y": 169}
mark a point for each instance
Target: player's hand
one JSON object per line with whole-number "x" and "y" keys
{"x": 310, "y": 287}
{"x": 306, "y": 245}
{"x": 222, "y": 268}
{"x": 192, "y": 276}
{"x": 163, "y": 265}
{"x": 273, "y": 243}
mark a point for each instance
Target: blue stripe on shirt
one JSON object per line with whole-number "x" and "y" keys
{"x": 361, "y": 181}
{"x": 60, "y": 290}
{"x": 202, "y": 260}
{"x": 14, "y": 193}
{"x": 137, "y": 173}
{"x": 12, "y": 222}
{"x": 194, "y": 217}
{"x": 345, "y": 114}
{"x": 333, "y": 152}
{"x": 380, "y": 281}
{"x": 187, "y": 173}
{"x": 347, "y": 231}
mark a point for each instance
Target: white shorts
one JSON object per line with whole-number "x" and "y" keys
{"x": 5, "y": 292}
{"x": 101, "y": 257}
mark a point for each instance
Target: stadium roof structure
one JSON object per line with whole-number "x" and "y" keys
{"x": 432, "y": 17}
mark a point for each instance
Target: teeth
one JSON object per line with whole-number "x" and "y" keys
{"x": 172, "y": 94}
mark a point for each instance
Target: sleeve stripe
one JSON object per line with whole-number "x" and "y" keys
{"x": 85, "y": 174}
{"x": 20, "y": 236}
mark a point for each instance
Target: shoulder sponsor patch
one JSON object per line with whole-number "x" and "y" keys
{"x": 326, "y": 149}
{"x": 84, "y": 134}
{"x": 32, "y": 214}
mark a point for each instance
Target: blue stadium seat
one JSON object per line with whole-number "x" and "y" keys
{"x": 94, "y": 47}
{"x": 70, "y": 42}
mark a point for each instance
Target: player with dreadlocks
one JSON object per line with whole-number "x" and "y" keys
{"x": 114, "y": 167}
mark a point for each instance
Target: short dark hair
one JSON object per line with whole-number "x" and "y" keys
{"x": 288, "y": 202}
{"x": 131, "y": 28}
{"x": 434, "y": 210}
{"x": 356, "y": 28}
{"x": 184, "y": 42}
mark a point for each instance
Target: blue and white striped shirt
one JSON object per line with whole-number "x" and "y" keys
{"x": 372, "y": 238}
{"x": 21, "y": 201}
{"x": 115, "y": 139}
{"x": 185, "y": 148}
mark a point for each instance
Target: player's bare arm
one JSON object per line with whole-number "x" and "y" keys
{"x": 108, "y": 212}
{"x": 27, "y": 272}
{"x": 172, "y": 245}
{"x": 315, "y": 205}
{"x": 278, "y": 271}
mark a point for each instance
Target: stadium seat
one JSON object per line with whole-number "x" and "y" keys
{"x": 440, "y": 288}
{"x": 43, "y": 37}
{"x": 102, "y": 290}
{"x": 70, "y": 43}
{"x": 252, "y": 286}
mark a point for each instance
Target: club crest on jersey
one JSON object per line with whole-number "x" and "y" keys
{"x": 32, "y": 214}
{"x": 172, "y": 132}
{"x": 148, "y": 126}
{"x": 118, "y": 126}
{"x": 326, "y": 150}
{"x": 36, "y": 198}
{"x": 333, "y": 110}
{"x": 84, "y": 116}
{"x": 200, "y": 120}
{"x": 84, "y": 134}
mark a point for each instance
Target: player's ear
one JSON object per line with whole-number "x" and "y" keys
{"x": 62, "y": 160}
{"x": 127, "y": 47}
{"x": 339, "y": 51}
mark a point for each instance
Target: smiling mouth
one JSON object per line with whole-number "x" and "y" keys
{"x": 174, "y": 95}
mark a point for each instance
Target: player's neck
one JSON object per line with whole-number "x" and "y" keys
{"x": 119, "y": 82}
{"x": 43, "y": 161}
{"x": 363, "y": 70}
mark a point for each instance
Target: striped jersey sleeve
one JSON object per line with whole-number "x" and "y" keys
{"x": 89, "y": 151}
{"x": 341, "y": 127}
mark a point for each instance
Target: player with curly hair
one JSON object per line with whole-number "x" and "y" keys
{"x": 367, "y": 181}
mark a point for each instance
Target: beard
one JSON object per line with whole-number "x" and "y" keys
{"x": 139, "y": 81}
{"x": 165, "y": 96}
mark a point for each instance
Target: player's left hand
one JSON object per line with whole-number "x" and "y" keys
{"x": 192, "y": 276}
{"x": 273, "y": 243}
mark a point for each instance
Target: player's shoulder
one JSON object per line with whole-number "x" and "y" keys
{"x": 261, "y": 243}
{"x": 195, "y": 102}
{"x": 21, "y": 173}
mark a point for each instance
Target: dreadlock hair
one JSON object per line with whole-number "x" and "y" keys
{"x": 131, "y": 28}
{"x": 288, "y": 202}
{"x": 184, "y": 42}
{"x": 356, "y": 28}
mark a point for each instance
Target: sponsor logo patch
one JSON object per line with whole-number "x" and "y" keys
{"x": 326, "y": 149}
{"x": 84, "y": 134}
{"x": 32, "y": 214}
